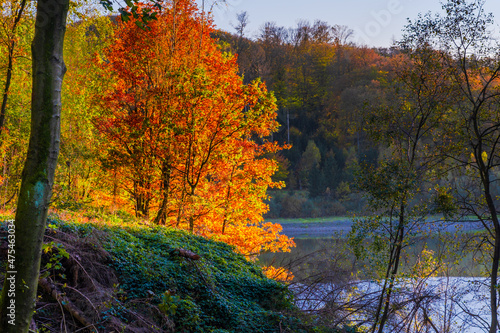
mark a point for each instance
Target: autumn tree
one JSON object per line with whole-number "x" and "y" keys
{"x": 77, "y": 179}
{"x": 38, "y": 174}
{"x": 16, "y": 33}
{"x": 12, "y": 15}
{"x": 190, "y": 136}
{"x": 35, "y": 192}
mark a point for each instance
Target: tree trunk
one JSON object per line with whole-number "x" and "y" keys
{"x": 161, "y": 216}
{"x": 395, "y": 267}
{"x": 392, "y": 280}
{"x": 142, "y": 198}
{"x": 484, "y": 172}
{"x": 38, "y": 173}
{"x": 494, "y": 283}
{"x": 496, "y": 255}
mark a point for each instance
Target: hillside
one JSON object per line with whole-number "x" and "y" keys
{"x": 141, "y": 279}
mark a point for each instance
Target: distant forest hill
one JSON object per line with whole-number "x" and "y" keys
{"x": 323, "y": 84}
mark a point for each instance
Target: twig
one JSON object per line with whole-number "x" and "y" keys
{"x": 97, "y": 312}
{"x": 63, "y": 321}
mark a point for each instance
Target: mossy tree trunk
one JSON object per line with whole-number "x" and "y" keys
{"x": 37, "y": 179}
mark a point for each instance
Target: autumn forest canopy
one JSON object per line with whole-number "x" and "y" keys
{"x": 169, "y": 122}
{"x": 161, "y": 126}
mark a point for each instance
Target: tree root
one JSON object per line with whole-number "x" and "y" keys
{"x": 52, "y": 290}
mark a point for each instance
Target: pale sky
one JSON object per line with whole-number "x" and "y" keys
{"x": 375, "y": 22}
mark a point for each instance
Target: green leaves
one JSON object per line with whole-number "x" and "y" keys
{"x": 168, "y": 303}
{"x": 222, "y": 290}
{"x": 56, "y": 253}
{"x": 444, "y": 202}
{"x": 144, "y": 14}
{"x": 390, "y": 182}
{"x": 107, "y": 4}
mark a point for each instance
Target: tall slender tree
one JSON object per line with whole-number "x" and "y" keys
{"x": 39, "y": 169}
{"x": 17, "y": 10}
{"x": 470, "y": 57}
{"x": 409, "y": 123}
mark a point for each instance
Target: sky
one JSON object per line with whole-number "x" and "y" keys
{"x": 376, "y": 23}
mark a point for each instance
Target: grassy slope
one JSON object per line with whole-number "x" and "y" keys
{"x": 136, "y": 281}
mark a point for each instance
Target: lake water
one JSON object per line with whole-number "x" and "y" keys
{"x": 323, "y": 255}
{"x": 327, "y": 273}
{"x": 453, "y": 304}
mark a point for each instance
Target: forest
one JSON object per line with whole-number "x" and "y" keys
{"x": 159, "y": 172}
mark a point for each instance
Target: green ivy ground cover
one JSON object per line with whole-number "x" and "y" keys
{"x": 220, "y": 292}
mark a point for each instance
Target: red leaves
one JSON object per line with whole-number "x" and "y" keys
{"x": 178, "y": 120}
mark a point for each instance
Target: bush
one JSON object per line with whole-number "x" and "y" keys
{"x": 286, "y": 204}
{"x": 274, "y": 209}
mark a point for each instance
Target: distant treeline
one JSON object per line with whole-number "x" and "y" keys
{"x": 323, "y": 84}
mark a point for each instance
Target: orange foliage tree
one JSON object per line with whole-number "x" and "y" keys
{"x": 187, "y": 137}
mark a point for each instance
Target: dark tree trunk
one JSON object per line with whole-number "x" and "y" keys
{"x": 494, "y": 283}
{"x": 142, "y": 198}
{"x": 38, "y": 174}
{"x": 392, "y": 279}
{"x": 392, "y": 272}
{"x": 484, "y": 167}
{"x": 496, "y": 253}
{"x": 161, "y": 216}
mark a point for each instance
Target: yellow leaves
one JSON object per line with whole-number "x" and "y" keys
{"x": 427, "y": 265}
{"x": 484, "y": 156}
{"x": 279, "y": 274}
{"x": 174, "y": 96}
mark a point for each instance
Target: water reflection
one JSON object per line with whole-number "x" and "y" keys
{"x": 328, "y": 256}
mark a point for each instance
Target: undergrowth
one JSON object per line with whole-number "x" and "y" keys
{"x": 221, "y": 290}
{"x": 133, "y": 279}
